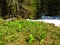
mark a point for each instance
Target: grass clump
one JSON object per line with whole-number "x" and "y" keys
{"x": 28, "y": 33}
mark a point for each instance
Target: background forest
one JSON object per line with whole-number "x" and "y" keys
{"x": 32, "y": 9}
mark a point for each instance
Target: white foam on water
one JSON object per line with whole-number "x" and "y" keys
{"x": 56, "y": 22}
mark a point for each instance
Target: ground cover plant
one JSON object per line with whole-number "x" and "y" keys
{"x": 24, "y": 32}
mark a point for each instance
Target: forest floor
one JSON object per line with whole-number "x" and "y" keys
{"x": 24, "y": 32}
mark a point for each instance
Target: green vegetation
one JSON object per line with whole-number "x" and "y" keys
{"x": 23, "y": 32}
{"x": 18, "y": 8}
{"x": 28, "y": 33}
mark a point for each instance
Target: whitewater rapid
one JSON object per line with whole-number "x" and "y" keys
{"x": 56, "y": 22}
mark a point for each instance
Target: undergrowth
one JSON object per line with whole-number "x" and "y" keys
{"x": 28, "y": 33}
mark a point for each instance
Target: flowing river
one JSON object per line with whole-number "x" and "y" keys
{"x": 49, "y": 19}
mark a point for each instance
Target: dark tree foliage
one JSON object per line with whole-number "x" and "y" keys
{"x": 29, "y": 8}
{"x": 39, "y": 11}
{"x": 3, "y": 5}
{"x": 53, "y": 7}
